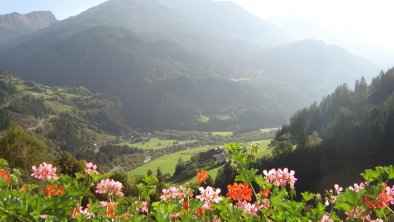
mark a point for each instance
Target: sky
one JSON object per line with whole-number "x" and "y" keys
{"x": 365, "y": 22}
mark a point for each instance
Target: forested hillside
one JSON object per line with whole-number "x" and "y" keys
{"x": 331, "y": 141}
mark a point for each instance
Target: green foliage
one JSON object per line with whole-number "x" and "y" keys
{"x": 22, "y": 149}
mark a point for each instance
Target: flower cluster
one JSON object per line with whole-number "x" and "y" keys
{"x": 80, "y": 210}
{"x": 280, "y": 177}
{"x": 248, "y": 208}
{"x": 142, "y": 206}
{"x": 110, "y": 208}
{"x": 44, "y": 172}
{"x": 332, "y": 195}
{"x": 239, "y": 192}
{"x": 209, "y": 195}
{"x": 357, "y": 187}
{"x": 4, "y": 175}
{"x": 54, "y": 190}
{"x": 176, "y": 193}
{"x": 202, "y": 176}
{"x": 384, "y": 199}
{"x": 109, "y": 187}
{"x": 90, "y": 169}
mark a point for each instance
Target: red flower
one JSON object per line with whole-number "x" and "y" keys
{"x": 185, "y": 205}
{"x": 381, "y": 201}
{"x": 265, "y": 193}
{"x": 202, "y": 176}
{"x": 239, "y": 192}
{"x": 54, "y": 190}
{"x": 4, "y": 175}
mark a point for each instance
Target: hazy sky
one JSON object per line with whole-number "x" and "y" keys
{"x": 364, "y": 21}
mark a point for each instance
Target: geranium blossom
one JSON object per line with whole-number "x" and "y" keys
{"x": 142, "y": 206}
{"x": 4, "y": 175}
{"x": 210, "y": 196}
{"x": 176, "y": 193}
{"x": 54, "y": 190}
{"x": 248, "y": 208}
{"x": 109, "y": 187}
{"x": 280, "y": 177}
{"x": 357, "y": 187}
{"x": 80, "y": 210}
{"x": 44, "y": 172}
{"x": 202, "y": 176}
{"x": 90, "y": 168}
{"x": 239, "y": 192}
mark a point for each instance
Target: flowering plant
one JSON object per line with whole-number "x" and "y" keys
{"x": 269, "y": 196}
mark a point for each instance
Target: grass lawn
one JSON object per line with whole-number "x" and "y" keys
{"x": 224, "y": 134}
{"x": 267, "y": 130}
{"x": 153, "y": 143}
{"x": 168, "y": 162}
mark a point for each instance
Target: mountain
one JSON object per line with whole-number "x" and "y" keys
{"x": 15, "y": 25}
{"x": 313, "y": 65}
{"x": 347, "y": 132}
{"x": 174, "y": 69}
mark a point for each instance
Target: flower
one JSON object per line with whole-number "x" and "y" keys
{"x": 79, "y": 210}
{"x": 210, "y": 196}
{"x": 248, "y": 208}
{"x": 90, "y": 169}
{"x": 202, "y": 176}
{"x": 175, "y": 193}
{"x": 325, "y": 218}
{"x": 357, "y": 187}
{"x": 265, "y": 193}
{"x": 109, "y": 208}
{"x": 239, "y": 192}
{"x": 280, "y": 177}
{"x": 382, "y": 200}
{"x": 142, "y": 206}
{"x": 4, "y": 175}
{"x": 54, "y": 190}
{"x": 44, "y": 172}
{"x": 109, "y": 187}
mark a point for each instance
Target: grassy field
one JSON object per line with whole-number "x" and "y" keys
{"x": 168, "y": 162}
{"x": 267, "y": 130}
{"x": 224, "y": 134}
{"x": 153, "y": 143}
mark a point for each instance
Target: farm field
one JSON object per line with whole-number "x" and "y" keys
{"x": 168, "y": 162}
{"x": 153, "y": 143}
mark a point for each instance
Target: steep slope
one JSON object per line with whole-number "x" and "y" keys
{"x": 347, "y": 132}
{"x": 15, "y": 25}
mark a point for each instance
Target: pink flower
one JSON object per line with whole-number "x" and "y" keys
{"x": 325, "y": 218}
{"x": 390, "y": 192}
{"x": 175, "y": 193}
{"x": 90, "y": 169}
{"x": 338, "y": 189}
{"x": 142, "y": 206}
{"x": 44, "y": 172}
{"x": 79, "y": 210}
{"x": 357, "y": 187}
{"x": 280, "y": 177}
{"x": 43, "y": 216}
{"x": 109, "y": 187}
{"x": 248, "y": 208}
{"x": 210, "y": 196}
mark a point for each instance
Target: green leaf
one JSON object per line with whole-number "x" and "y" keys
{"x": 306, "y": 196}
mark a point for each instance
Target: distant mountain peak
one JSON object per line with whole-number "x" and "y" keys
{"x": 14, "y": 24}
